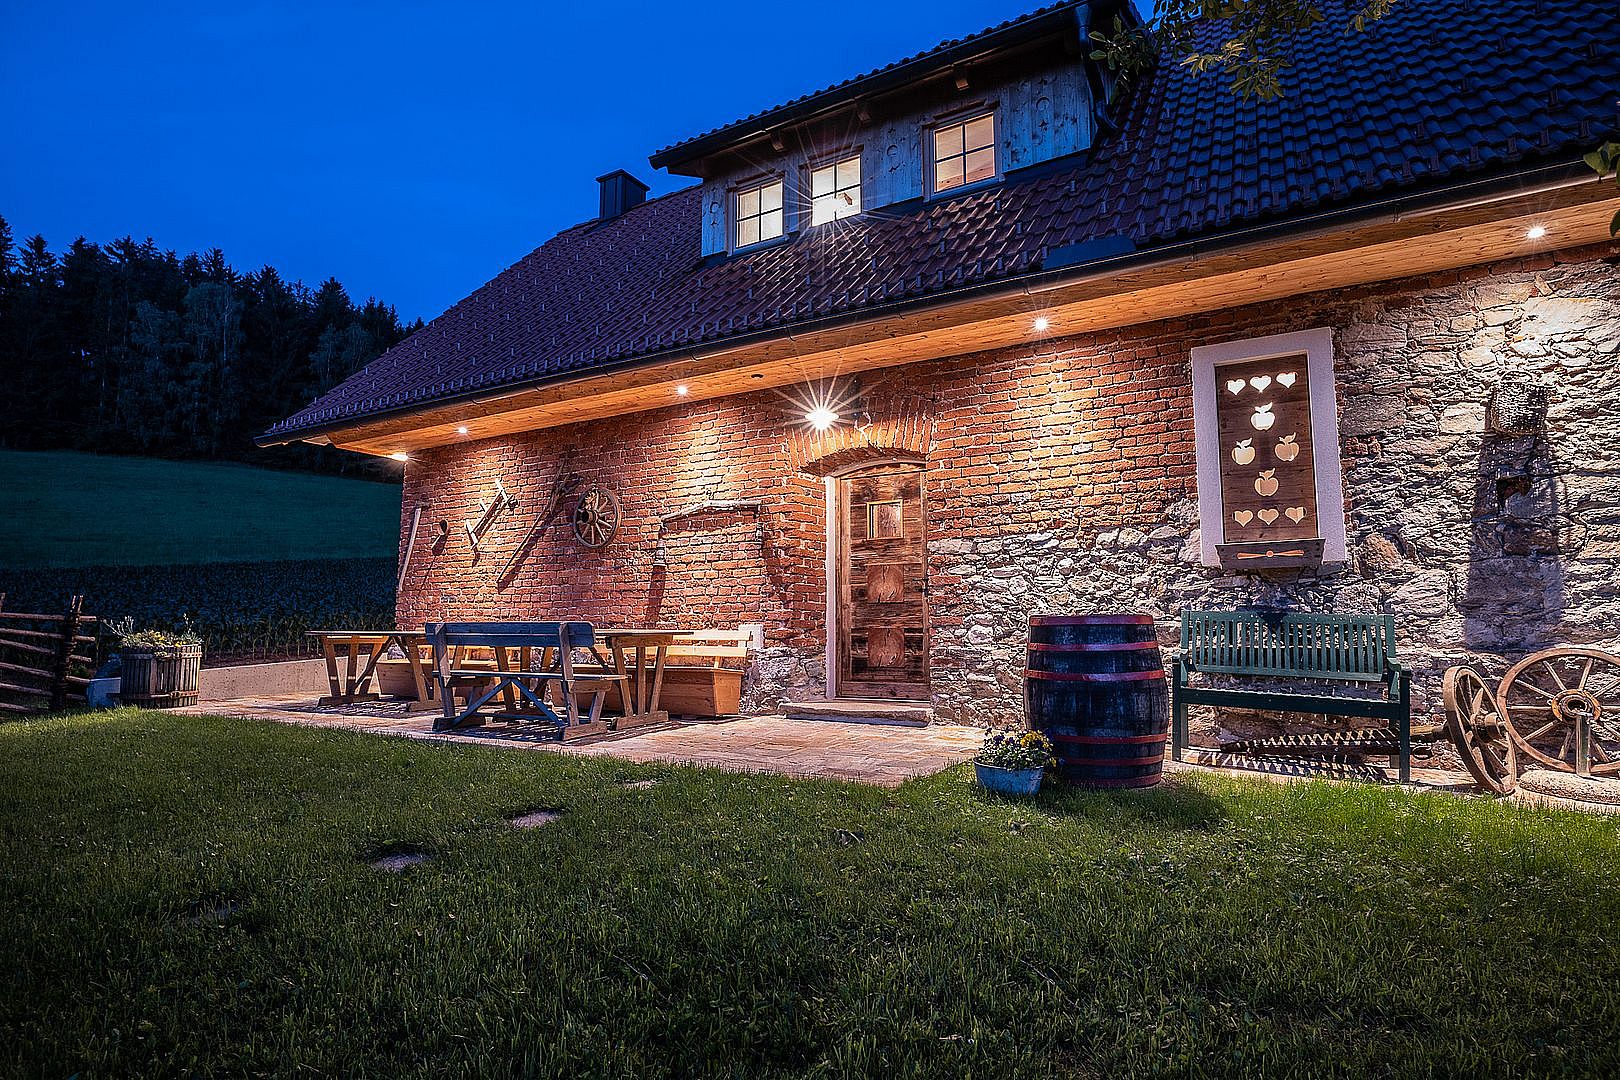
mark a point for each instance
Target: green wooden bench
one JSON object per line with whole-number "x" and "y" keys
{"x": 1293, "y": 648}
{"x": 517, "y": 678}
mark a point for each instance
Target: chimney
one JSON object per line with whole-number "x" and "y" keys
{"x": 620, "y": 192}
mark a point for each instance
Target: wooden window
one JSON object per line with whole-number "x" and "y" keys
{"x": 759, "y": 213}
{"x": 1270, "y": 492}
{"x": 835, "y": 190}
{"x": 965, "y": 152}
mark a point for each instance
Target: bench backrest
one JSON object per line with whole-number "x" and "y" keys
{"x": 511, "y": 635}
{"x": 709, "y": 648}
{"x": 1349, "y": 648}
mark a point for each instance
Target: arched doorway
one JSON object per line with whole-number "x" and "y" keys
{"x": 877, "y": 597}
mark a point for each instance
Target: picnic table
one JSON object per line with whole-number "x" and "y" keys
{"x": 352, "y": 683}
{"x": 643, "y": 682}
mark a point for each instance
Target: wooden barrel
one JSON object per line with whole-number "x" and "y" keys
{"x": 1095, "y": 685}
{"x": 159, "y": 678}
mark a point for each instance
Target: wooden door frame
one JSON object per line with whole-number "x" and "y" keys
{"x": 835, "y": 549}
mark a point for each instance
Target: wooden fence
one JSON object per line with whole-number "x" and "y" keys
{"x": 45, "y": 660}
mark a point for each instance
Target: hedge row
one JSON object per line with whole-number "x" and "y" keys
{"x": 256, "y": 608}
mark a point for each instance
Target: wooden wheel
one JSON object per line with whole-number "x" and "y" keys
{"x": 1474, "y": 724}
{"x": 1562, "y": 707}
{"x": 596, "y": 518}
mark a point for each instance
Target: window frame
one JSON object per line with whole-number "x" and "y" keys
{"x": 735, "y": 216}
{"x": 960, "y": 118}
{"x": 1316, "y": 346}
{"x": 832, "y": 161}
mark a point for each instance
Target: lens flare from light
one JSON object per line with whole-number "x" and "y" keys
{"x": 1042, "y": 324}
{"x": 821, "y": 417}
{"x": 462, "y": 430}
{"x": 400, "y": 455}
{"x": 1535, "y": 232}
{"x": 682, "y": 390}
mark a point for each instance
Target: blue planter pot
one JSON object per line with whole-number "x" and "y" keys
{"x": 1008, "y": 781}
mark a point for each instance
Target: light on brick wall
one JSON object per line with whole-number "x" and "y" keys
{"x": 1042, "y": 324}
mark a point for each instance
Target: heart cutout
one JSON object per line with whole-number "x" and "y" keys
{"x": 1243, "y": 517}
{"x": 1260, "y": 382}
{"x": 1236, "y": 385}
{"x": 1268, "y": 515}
{"x": 1287, "y": 378}
{"x": 1296, "y": 514}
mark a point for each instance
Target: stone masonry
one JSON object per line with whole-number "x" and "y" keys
{"x": 1061, "y": 479}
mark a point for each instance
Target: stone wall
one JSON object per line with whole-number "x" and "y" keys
{"x": 1061, "y": 478}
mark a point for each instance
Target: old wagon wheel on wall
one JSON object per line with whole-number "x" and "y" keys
{"x": 1562, "y": 707}
{"x": 1474, "y": 724}
{"x": 596, "y": 517}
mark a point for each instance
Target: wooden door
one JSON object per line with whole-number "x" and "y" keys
{"x": 881, "y": 616}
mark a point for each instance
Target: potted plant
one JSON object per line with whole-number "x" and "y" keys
{"x": 158, "y": 669}
{"x": 1012, "y": 762}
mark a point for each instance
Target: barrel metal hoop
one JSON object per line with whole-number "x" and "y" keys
{"x": 1091, "y": 620}
{"x": 1156, "y": 759}
{"x": 1118, "y": 646}
{"x": 1094, "y": 676}
{"x": 1107, "y": 740}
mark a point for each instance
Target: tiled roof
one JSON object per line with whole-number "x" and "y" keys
{"x": 1438, "y": 92}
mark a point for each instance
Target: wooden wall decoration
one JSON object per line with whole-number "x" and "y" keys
{"x": 1267, "y": 465}
{"x": 488, "y": 512}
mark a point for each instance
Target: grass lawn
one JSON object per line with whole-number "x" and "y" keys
{"x": 189, "y": 896}
{"x": 71, "y": 509}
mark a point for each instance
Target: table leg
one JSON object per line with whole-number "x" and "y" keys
{"x": 660, "y": 653}
{"x": 418, "y": 672}
{"x": 353, "y": 657}
{"x": 336, "y": 696}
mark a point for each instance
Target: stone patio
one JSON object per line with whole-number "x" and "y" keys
{"x": 868, "y": 753}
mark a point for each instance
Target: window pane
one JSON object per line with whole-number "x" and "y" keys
{"x": 770, "y": 196}
{"x": 821, "y": 182}
{"x": 849, "y": 172}
{"x": 981, "y": 165}
{"x": 849, "y": 202}
{"x": 748, "y": 203}
{"x": 979, "y": 133}
{"x": 947, "y": 142}
{"x": 770, "y": 224}
{"x": 747, "y": 231}
{"x": 821, "y": 210}
{"x": 948, "y": 174}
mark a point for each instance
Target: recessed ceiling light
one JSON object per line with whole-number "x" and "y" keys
{"x": 1535, "y": 232}
{"x": 400, "y": 455}
{"x": 681, "y": 390}
{"x": 462, "y": 430}
{"x": 1042, "y": 324}
{"x": 821, "y": 418}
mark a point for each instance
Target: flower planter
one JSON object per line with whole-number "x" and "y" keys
{"x": 1008, "y": 781}
{"x": 159, "y": 678}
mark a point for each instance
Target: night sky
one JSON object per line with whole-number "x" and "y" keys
{"x": 412, "y": 151}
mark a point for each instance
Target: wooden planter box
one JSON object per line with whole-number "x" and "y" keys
{"x": 159, "y": 678}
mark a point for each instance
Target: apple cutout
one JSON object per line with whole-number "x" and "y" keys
{"x": 1267, "y": 484}
{"x": 1260, "y": 382}
{"x": 1296, "y": 514}
{"x": 1287, "y": 379}
{"x": 1243, "y": 453}
{"x": 1235, "y": 385}
{"x": 1288, "y": 449}
{"x": 1267, "y": 515}
{"x": 1262, "y": 418}
{"x": 1242, "y": 517}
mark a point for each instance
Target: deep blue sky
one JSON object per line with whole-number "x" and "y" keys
{"x": 411, "y": 150}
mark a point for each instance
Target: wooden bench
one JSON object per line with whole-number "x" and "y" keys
{"x": 523, "y": 686}
{"x": 703, "y": 674}
{"x": 1348, "y": 650}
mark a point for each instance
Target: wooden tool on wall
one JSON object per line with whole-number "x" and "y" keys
{"x": 490, "y": 511}
{"x": 562, "y": 487}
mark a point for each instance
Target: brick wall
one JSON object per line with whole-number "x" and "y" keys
{"x": 1061, "y": 478}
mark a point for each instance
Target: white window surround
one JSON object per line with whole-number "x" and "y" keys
{"x": 835, "y": 189}
{"x": 758, "y": 212}
{"x": 1317, "y": 348}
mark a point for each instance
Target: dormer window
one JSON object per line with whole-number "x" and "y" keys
{"x": 759, "y": 213}
{"x": 835, "y": 190}
{"x": 964, "y": 152}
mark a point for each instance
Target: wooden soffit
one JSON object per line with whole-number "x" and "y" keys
{"x": 1393, "y": 247}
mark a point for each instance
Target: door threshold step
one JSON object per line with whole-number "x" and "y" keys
{"x": 895, "y": 713}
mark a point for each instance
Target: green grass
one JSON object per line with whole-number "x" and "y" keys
{"x": 719, "y": 924}
{"x": 69, "y": 509}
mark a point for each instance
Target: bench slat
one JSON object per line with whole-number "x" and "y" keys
{"x": 1345, "y": 648}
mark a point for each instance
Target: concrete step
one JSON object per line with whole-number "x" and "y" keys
{"x": 899, "y": 713}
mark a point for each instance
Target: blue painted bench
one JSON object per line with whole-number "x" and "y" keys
{"x": 522, "y": 685}
{"x": 1290, "y": 649}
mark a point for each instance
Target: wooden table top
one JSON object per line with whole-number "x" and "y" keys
{"x": 324, "y": 634}
{"x": 647, "y": 634}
